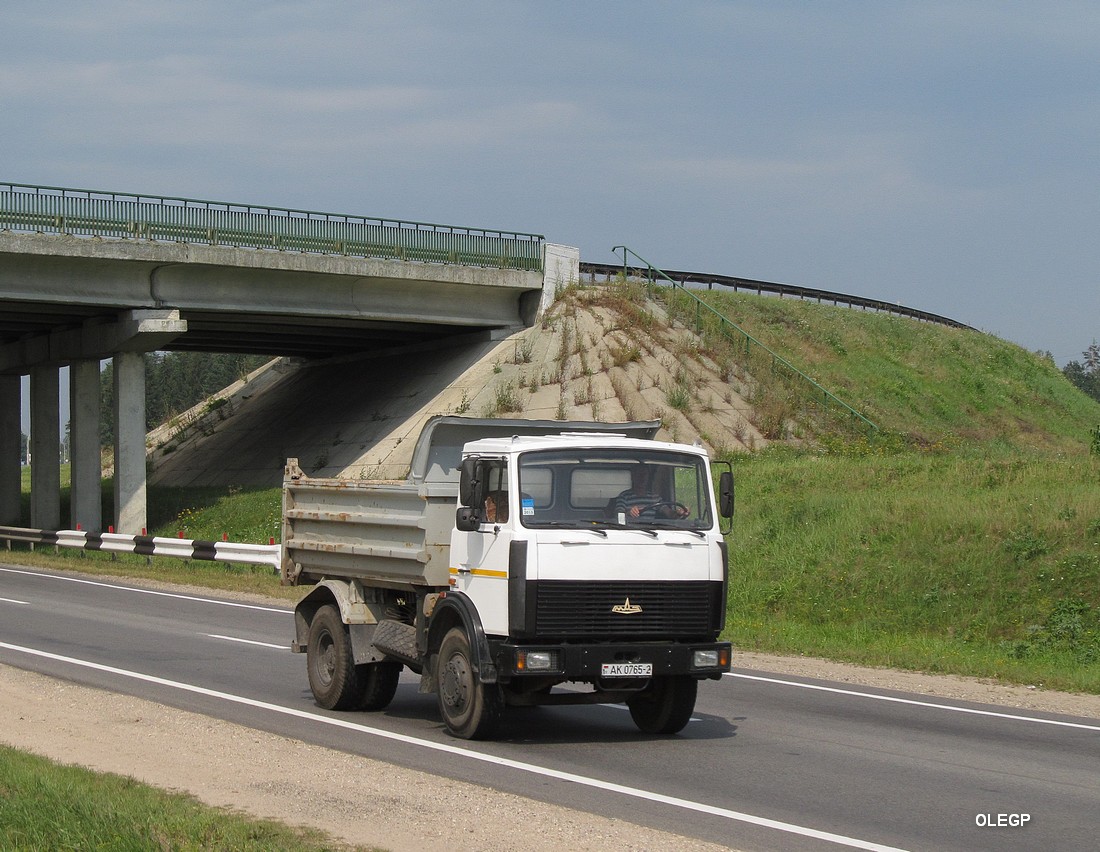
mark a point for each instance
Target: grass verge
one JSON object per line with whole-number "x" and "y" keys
{"x": 964, "y": 562}
{"x": 44, "y": 805}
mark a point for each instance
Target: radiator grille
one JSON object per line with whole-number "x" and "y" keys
{"x": 571, "y": 609}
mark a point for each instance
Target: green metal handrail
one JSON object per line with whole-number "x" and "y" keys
{"x": 653, "y": 272}
{"x": 85, "y": 212}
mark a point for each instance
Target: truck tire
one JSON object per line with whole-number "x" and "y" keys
{"x": 333, "y": 677}
{"x": 470, "y": 709}
{"x": 665, "y": 706}
{"x": 379, "y": 684}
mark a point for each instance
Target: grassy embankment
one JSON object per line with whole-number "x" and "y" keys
{"x": 46, "y": 806}
{"x": 963, "y": 537}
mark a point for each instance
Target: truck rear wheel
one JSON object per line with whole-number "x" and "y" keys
{"x": 471, "y": 709}
{"x": 379, "y": 684}
{"x": 665, "y": 706}
{"x": 333, "y": 677}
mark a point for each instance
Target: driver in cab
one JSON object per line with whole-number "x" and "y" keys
{"x": 644, "y": 498}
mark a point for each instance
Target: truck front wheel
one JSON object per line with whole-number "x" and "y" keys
{"x": 471, "y": 709}
{"x": 665, "y": 706}
{"x": 333, "y": 678}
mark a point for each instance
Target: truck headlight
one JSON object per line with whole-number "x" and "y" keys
{"x": 536, "y": 661}
{"x": 704, "y": 659}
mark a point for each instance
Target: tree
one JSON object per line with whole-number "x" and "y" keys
{"x": 1092, "y": 358}
{"x": 175, "y": 381}
{"x": 1086, "y": 376}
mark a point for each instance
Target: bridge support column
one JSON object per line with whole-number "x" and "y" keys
{"x": 129, "y": 403}
{"x": 10, "y": 432}
{"x": 86, "y": 504}
{"x": 45, "y": 448}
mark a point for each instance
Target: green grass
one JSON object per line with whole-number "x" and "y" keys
{"x": 44, "y": 805}
{"x": 210, "y": 513}
{"x": 929, "y": 382}
{"x": 962, "y": 536}
{"x": 969, "y": 562}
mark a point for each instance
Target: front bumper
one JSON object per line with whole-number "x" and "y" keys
{"x": 584, "y": 661}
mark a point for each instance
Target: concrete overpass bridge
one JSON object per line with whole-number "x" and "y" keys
{"x": 86, "y": 276}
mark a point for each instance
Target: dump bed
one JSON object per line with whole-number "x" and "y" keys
{"x": 391, "y": 534}
{"x": 397, "y": 534}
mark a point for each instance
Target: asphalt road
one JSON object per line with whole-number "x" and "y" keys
{"x": 768, "y": 762}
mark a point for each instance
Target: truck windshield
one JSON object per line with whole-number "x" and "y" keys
{"x": 588, "y": 488}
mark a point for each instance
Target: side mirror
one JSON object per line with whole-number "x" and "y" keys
{"x": 467, "y": 519}
{"x": 471, "y": 486}
{"x": 725, "y": 494}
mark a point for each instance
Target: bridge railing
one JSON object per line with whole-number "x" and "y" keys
{"x": 706, "y": 321}
{"x": 82, "y": 212}
{"x": 752, "y": 285}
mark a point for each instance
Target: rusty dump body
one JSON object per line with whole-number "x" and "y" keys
{"x": 396, "y": 534}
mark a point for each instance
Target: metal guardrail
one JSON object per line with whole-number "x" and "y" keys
{"x": 84, "y": 212}
{"x": 729, "y": 329}
{"x": 759, "y": 287}
{"x": 145, "y": 545}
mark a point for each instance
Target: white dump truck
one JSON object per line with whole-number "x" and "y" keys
{"x": 520, "y": 563}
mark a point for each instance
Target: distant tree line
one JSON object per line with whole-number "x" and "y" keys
{"x": 1085, "y": 374}
{"x": 175, "y": 381}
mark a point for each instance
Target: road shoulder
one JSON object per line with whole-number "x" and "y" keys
{"x": 359, "y": 801}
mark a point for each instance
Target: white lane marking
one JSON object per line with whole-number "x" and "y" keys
{"x": 14, "y": 601}
{"x": 916, "y": 703}
{"x": 147, "y": 591}
{"x": 520, "y": 766}
{"x": 248, "y": 641}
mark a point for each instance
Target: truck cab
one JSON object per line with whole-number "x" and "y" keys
{"x": 595, "y": 560}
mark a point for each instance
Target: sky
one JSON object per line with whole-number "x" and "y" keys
{"x": 942, "y": 155}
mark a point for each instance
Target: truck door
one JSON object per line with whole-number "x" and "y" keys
{"x": 480, "y": 557}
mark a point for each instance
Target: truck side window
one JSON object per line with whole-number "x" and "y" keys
{"x": 496, "y": 493}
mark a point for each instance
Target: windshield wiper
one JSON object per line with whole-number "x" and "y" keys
{"x": 571, "y": 525}
{"x": 613, "y": 525}
{"x": 691, "y": 530}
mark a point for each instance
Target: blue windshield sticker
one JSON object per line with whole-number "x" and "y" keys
{"x": 528, "y": 505}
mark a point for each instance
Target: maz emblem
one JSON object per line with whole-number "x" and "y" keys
{"x": 626, "y": 608}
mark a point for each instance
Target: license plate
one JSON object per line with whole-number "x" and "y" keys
{"x": 626, "y": 670}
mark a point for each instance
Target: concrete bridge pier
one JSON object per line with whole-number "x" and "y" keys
{"x": 125, "y": 340}
{"x": 86, "y": 494}
{"x": 129, "y": 409}
{"x": 45, "y": 444}
{"x": 10, "y": 475}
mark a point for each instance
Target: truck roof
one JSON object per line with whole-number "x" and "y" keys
{"x": 525, "y": 443}
{"x": 439, "y": 448}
